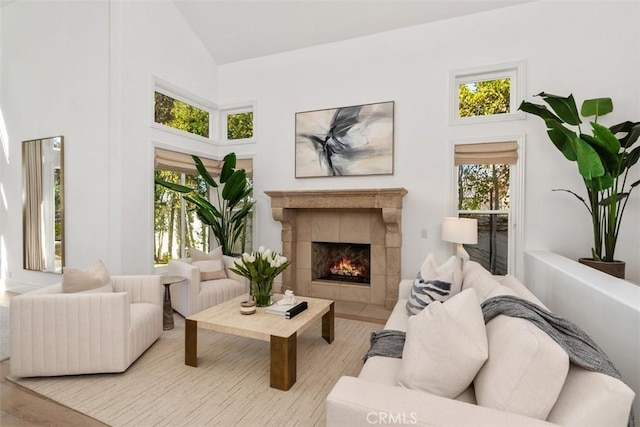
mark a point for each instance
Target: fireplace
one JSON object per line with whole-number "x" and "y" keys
{"x": 341, "y": 262}
{"x": 361, "y": 216}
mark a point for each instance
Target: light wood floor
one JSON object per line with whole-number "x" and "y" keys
{"x": 20, "y": 407}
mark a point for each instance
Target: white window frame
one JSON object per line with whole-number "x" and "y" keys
{"x": 516, "y": 196}
{"x": 175, "y": 92}
{"x": 515, "y": 71}
{"x": 228, "y": 110}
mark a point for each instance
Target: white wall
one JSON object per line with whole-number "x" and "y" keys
{"x": 411, "y": 67}
{"x": 84, "y": 70}
{"x": 55, "y": 80}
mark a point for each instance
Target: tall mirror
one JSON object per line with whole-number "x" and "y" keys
{"x": 43, "y": 204}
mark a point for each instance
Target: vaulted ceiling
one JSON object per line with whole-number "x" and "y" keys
{"x": 234, "y": 30}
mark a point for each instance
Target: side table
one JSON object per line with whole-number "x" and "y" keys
{"x": 167, "y": 316}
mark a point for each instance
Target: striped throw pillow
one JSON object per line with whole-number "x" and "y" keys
{"x": 426, "y": 291}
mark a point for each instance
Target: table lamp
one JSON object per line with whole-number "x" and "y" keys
{"x": 460, "y": 231}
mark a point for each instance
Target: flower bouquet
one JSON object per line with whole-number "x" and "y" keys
{"x": 261, "y": 268}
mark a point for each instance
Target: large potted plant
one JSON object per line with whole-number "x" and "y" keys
{"x": 604, "y": 159}
{"x": 233, "y": 204}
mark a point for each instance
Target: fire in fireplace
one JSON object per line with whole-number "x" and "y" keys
{"x": 343, "y": 262}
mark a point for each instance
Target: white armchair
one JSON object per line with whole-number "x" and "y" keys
{"x": 55, "y": 333}
{"x": 194, "y": 295}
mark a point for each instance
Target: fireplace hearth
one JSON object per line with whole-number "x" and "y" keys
{"x": 341, "y": 262}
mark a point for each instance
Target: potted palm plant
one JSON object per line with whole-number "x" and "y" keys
{"x": 604, "y": 160}
{"x": 233, "y": 204}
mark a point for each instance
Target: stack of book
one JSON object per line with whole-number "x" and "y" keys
{"x": 288, "y": 311}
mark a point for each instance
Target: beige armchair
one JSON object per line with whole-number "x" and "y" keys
{"x": 194, "y": 295}
{"x": 55, "y": 333}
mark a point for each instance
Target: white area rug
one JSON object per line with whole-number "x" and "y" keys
{"x": 229, "y": 387}
{"x": 4, "y": 333}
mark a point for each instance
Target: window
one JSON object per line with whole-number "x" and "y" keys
{"x": 176, "y": 224}
{"x": 484, "y": 192}
{"x": 180, "y": 115}
{"x": 237, "y": 124}
{"x": 240, "y": 125}
{"x": 487, "y": 94}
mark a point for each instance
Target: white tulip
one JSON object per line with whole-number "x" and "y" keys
{"x": 261, "y": 249}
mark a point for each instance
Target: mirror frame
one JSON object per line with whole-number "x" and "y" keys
{"x": 25, "y": 213}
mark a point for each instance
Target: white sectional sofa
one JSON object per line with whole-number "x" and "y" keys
{"x": 516, "y": 386}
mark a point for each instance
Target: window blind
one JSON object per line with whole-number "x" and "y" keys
{"x": 486, "y": 153}
{"x": 181, "y": 162}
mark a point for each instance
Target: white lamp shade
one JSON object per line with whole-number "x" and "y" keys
{"x": 460, "y": 230}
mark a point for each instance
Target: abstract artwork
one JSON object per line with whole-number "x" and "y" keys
{"x": 345, "y": 141}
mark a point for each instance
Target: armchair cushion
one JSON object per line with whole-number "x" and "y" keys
{"x": 211, "y": 269}
{"x": 214, "y": 255}
{"x": 94, "y": 278}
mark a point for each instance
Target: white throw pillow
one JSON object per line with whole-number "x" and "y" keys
{"x": 432, "y": 267}
{"x": 525, "y": 371}
{"x": 210, "y": 270}
{"x": 214, "y": 255}
{"x": 475, "y": 276}
{"x": 92, "y": 279}
{"x": 435, "y": 281}
{"x": 446, "y": 345}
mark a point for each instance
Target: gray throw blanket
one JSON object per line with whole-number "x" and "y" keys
{"x": 580, "y": 348}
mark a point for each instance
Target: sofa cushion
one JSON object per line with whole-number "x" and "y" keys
{"x": 398, "y": 319}
{"x": 525, "y": 371}
{"x": 592, "y": 399}
{"x": 435, "y": 281}
{"x": 432, "y": 267}
{"x": 476, "y": 277}
{"x": 95, "y": 278}
{"x": 520, "y": 289}
{"x": 446, "y": 345}
{"x": 381, "y": 370}
{"x": 210, "y": 269}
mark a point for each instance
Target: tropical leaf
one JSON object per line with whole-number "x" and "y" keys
{"x": 605, "y": 137}
{"x": 610, "y": 160}
{"x": 228, "y": 167}
{"x": 631, "y": 128}
{"x": 562, "y": 138}
{"x": 234, "y": 188}
{"x": 589, "y": 163}
{"x": 564, "y": 107}
{"x": 204, "y": 173}
{"x": 538, "y": 110}
{"x": 631, "y": 158}
{"x": 173, "y": 186}
{"x": 596, "y": 107}
{"x": 600, "y": 183}
{"x": 614, "y": 198}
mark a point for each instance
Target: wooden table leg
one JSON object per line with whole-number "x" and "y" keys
{"x": 327, "y": 325}
{"x": 191, "y": 343}
{"x": 283, "y": 361}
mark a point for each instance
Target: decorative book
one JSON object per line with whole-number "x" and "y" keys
{"x": 288, "y": 311}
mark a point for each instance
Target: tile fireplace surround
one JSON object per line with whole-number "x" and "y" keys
{"x": 372, "y": 216}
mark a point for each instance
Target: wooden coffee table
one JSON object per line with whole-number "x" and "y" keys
{"x": 280, "y": 332}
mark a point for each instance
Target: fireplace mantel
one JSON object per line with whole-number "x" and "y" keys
{"x": 285, "y": 204}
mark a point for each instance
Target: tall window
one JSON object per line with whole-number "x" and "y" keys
{"x": 176, "y": 224}
{"x": 484, "y": 193}
{"x": 180, "y": 115}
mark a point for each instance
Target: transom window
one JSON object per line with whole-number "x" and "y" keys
{"x": 486, "y": 94}
{"x": 177, "y": 114}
